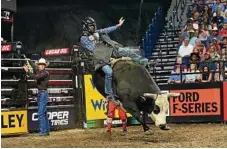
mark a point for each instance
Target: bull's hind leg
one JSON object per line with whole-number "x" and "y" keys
{"x": 132, "y": 108}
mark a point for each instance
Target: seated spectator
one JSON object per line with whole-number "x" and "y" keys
{"x": 203, "y": 35}
{"x": 207, "y": 62}
{"x": 223, "y": 54}
{"x": 179, "y": 63}
{"x": 185, "y": 49}
{"x": 197, "y": 44}
{"x": 213, "y": 52}
{"x": 215, "y": 35}
{"x": 206, "y": 75}
{"x": 202, "y": 51}
{"x": 176, "y": 76}
{"x": 195, "y": 16}
{"x": 187, "y": 30}
{"x": 214, "y": 18}
{"x": 216, "y": 4}
{"x": 223, "y": 44}
{"x": 220, "y": 14}
{"x": 220, "y": 11}
{"x": 192, "y": 78}
{"x": 216, "y": 44}
{"x": 192, "y": 33}
{"x": 195, "y": 59}
{"x": 220, "y": 73}
{"x": 193, "y": 38}
{"x": 223, "y": 31}
{"x": 225, "y": 16}
{"x": 199, "y": 51}
{"x": 206, "y": 15}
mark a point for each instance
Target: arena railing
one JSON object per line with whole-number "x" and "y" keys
{"x": 151, "y": 35}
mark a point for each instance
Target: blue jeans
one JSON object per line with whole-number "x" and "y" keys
{"x": 127, "y": 52}
{"x": 108, "y": 79}
{"x": 44, "y": 127}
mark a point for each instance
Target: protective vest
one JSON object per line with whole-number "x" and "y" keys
{"x": 105, "y": 48}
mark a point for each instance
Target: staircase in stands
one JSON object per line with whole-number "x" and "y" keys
{"x": 168, "y": 42}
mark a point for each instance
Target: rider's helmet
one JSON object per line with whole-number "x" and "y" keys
{"x": 89, "y": 25}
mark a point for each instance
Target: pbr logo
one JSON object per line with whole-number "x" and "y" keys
{"x": 57, "y": 118}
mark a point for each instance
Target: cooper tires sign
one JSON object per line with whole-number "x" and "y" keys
{"x": 60, "y": 117}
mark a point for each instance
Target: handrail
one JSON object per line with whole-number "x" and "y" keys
{"x": 151, "y": 35}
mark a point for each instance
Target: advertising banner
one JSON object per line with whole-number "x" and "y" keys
{"x": 56, "y": 52}
{"x": 196, "y": 102}
{"x": 6, "y": 47}
{"x": 225, "y": 99}
{"x": 60, "y": 117}
{"x": 13, "y": 122}
{"x": 95, "y": 108}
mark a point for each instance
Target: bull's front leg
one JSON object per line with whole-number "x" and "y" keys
{"x": 132, "y": 108}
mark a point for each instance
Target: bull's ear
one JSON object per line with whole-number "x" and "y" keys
{"x": 173, "y": 94}
{"x": 150, "y": 95}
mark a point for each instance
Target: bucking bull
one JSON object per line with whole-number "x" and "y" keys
{"x": 136, "y": 90}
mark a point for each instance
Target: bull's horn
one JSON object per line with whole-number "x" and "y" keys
{"x": 150, "y": 95}
{"x": 173, "y": 94}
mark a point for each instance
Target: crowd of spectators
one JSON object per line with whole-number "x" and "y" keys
{"x": 202, "y": 52}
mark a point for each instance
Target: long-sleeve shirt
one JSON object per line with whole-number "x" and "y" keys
{"x": 88, "y": 44}
{"x": 42, "y": 79}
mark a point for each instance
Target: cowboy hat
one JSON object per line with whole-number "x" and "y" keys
{"x": 42, "y": 61}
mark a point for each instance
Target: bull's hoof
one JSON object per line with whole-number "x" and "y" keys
{"x": 164, "y": 127}
{"x": 149, "y": 132}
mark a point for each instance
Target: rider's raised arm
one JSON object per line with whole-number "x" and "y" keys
{"x": 86, "y": 43}
{"x": 108, "y": 29}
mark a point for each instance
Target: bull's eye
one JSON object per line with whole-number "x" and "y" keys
{"x": 156, "y": 109}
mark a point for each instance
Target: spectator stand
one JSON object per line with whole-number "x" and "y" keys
{"x": 167, "y": 42}
{"x": 205, "y": 78}
{"x": 151, "y": 36}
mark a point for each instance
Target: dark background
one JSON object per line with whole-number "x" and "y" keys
{"x": 42, "y": 24}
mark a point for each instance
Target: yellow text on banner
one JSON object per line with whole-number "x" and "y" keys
{"x": 95, "y": 109}
{"x": 14, "y": 122}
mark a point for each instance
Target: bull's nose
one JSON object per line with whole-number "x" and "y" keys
{"x": 164, "y": 127}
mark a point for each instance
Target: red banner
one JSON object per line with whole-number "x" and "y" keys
{"x": 225, "y": 99}
{"x": 196, "y": 102}
{"x": 56, "y": 52}
{"x": 6, "y": 48}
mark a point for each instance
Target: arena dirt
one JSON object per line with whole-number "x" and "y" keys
{"x": 180, "y": 135}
